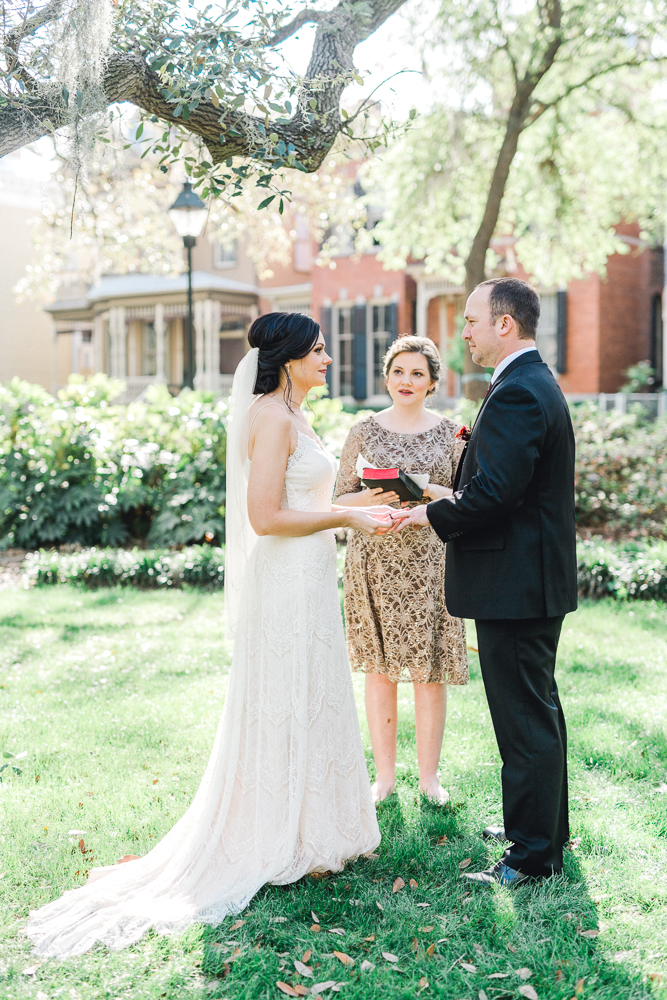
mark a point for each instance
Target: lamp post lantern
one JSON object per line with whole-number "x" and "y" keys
{"x": 188, "y": 215}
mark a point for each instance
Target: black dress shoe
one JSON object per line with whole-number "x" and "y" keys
{"x": 494, "y": 833}
{"x": 500, "y": 874}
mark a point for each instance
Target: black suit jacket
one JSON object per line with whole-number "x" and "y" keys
{"x": 511, "y": 547}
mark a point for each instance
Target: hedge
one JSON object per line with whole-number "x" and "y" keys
{"x": 632, "y": 570}
{"x": 197, "y": 565}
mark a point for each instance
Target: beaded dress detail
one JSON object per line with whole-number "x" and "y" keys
{"x": 395, "y": 611}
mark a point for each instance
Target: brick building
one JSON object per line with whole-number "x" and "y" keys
{"x": 132, "y": 326}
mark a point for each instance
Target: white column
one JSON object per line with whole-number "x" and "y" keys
{"x": 199, "y": 379}
{"x": 444, "y": 347}
{"x": 54, "y": 358}
{"x": 422, "y": 308}
{"x": 74, "y": 352}
{"x": 118, "y": 335}
{"x": 160, "y": 375}
{"x": 98, "y": 342}
{"x": 212, "y": 344}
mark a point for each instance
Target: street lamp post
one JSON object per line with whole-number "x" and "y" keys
{"x": 188, "y": 215}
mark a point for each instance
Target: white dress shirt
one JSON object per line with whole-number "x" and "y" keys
{"x": 508, "y": 360}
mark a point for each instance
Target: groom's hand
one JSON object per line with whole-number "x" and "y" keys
{"x": 415, "y": 518}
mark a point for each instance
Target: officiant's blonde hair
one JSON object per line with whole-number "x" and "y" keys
{"x": 415, "y": 345}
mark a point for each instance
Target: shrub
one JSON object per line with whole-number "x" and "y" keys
{"x": 80, "y": 469}
{"x": 633, "y": 569}
{"x": 621, "y": 486}
{"x": 199, "y": 566}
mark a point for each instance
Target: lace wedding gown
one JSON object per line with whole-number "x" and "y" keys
{"x": 286, "y": 791}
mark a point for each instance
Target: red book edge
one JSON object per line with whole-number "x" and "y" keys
{"x": 380, "y": 474}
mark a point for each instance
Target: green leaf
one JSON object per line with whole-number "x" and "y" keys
{"x": 140, "y": 129}
{"x": 266, "y": 202}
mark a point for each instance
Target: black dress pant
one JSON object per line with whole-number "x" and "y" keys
{"x": 518, "y": 659}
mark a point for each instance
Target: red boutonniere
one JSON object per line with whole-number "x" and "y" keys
{"x": 463, "y": 433}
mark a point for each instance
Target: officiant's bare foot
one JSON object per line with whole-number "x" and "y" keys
{"x": 435, "y": 793}
{"x": 381, "y": 790}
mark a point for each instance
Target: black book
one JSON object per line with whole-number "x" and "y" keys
{"x": 392, "y": 480}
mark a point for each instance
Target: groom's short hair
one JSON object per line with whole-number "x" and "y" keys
{"x": 516, "y": 298}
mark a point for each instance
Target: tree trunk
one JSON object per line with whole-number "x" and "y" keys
{"x": 474, "y": 378}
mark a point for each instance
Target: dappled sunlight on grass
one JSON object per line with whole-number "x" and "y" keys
{"x": 116, "y": 696}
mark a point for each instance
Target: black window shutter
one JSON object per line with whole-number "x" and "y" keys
{"x": 392, "y": 321}
{"x": 561, "y": 332}
{"x": 359, "y": 351}
{"x": 325, "y": 327}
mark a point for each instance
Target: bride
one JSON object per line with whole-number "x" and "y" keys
{"x": 286, "y": 791}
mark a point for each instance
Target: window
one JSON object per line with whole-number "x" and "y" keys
{"x": 382, "y": 337}
{"x": 546, "y": 340}
{"x": 232, "y": 345}
{"x": 225, "y": 254}
{"x": 657, "y": 343}
{"x": 345, "y": 357}
{"x": 148, "y": 349}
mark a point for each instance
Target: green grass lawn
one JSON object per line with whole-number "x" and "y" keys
{"x": 116, "y": 695}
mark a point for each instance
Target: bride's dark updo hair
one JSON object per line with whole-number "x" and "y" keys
{"x": 280, "y": 337}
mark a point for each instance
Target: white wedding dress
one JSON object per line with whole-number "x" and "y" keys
{"x": 286, "y": 790}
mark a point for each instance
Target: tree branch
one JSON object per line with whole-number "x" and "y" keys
{"x": 544, "y": 106}
{"x": 226, "y": 133}
{"x": 306, "y": 16}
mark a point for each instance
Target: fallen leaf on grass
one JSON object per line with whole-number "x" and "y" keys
{"x": 286, "y": 988}
{"x": 302, "y": 969}
{"x": 367, "y": 966}
{"x": 315, "y": 928}
{"x": 371, "y": 937}
{"x": 306, "y": 955}
{"x": 389, "y": 957}
{"x": 336, "y": 930}
{"x": 468, "y": 967}
{"x": 316, "y": 919}
{"x": 430, "y": 950}
{"x": 579, "y": 987}
{"x": 524, "y": 973}
{"x": 499, "y": 975}
{"x": 301, "y": 991}
{"x": 321, "y": 987}
{"x": 423, "y": 905}
{"x": 442, "y": 840}
{"x": 379, "y": 906}
{"x": 426, "y": 930}
{"x": 559, "y": 977}
{"x": 398, "y": 884}
{"x": 482, "y": 995}
{"x": 414, "y": 944}
{"x": 413, "y": 883}
{"x": 278, "y": 920}
{"x": 342, "y": 957}
{"x": 464, "y": 864}
{"x": 31, "y": 970}
{"x": 423, "y": 983}
{"x": 337, "y": 987}
{"x": 592, "y": 933}
{"x": 235, "y": 926}
{"x": 510, "y": 947}
{"x": 528, "y": 992}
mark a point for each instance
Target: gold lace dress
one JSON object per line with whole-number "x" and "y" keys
{"x": 397, "y": 621}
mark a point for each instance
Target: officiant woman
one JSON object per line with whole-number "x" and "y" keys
{"x": 398, "y": 627}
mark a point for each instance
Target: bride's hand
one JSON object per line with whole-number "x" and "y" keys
{"x": 374, "y": 523}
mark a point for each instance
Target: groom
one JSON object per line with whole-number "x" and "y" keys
{"x": 511, "y": 565}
